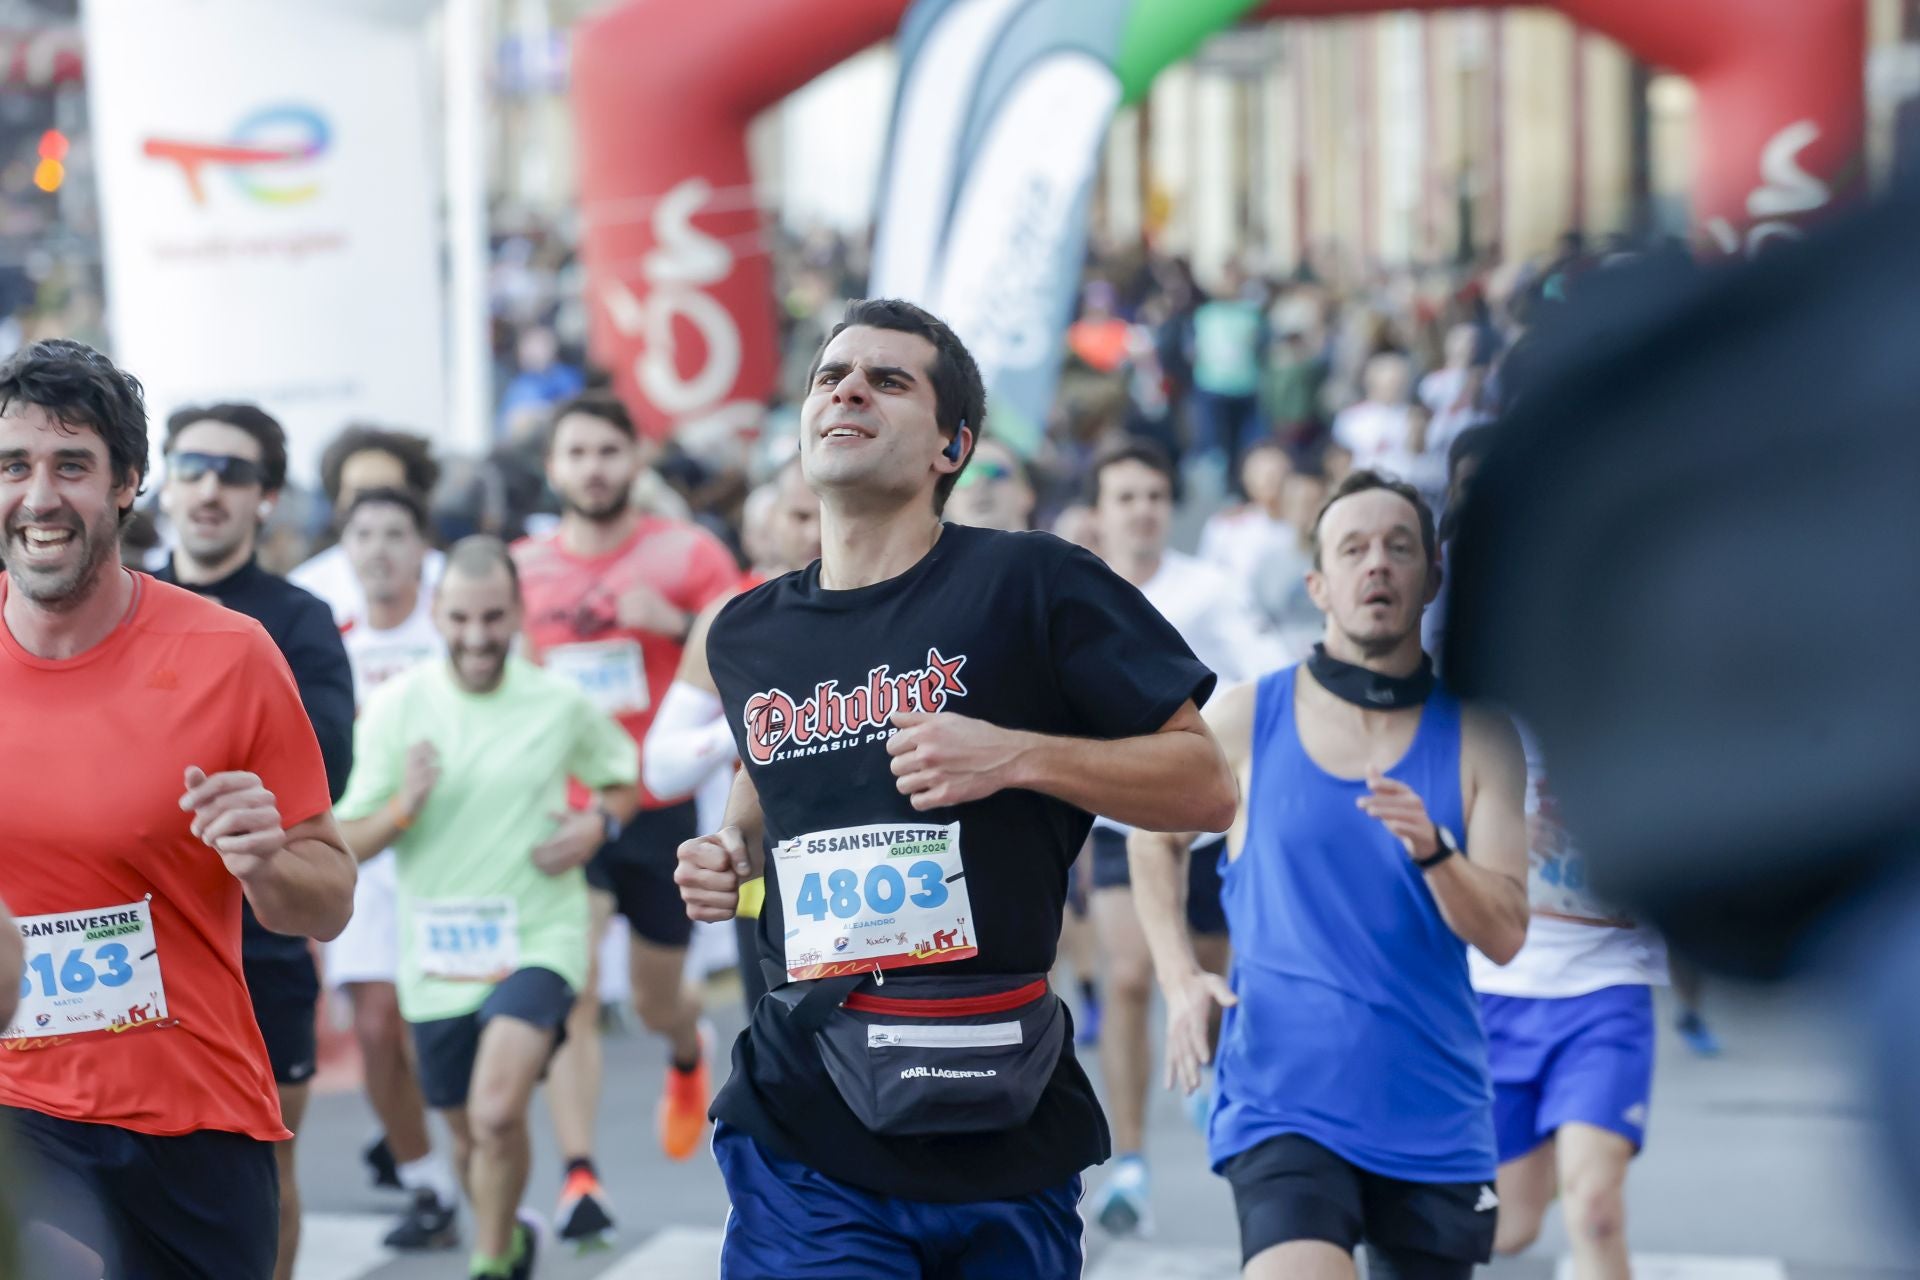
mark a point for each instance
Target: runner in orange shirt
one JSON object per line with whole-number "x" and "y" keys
{"x": 155, "y": 768}
{"x": 611, "y": 595}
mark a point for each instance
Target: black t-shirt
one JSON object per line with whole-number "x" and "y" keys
{"x": 302, "y": 626}
{"x": 1021, "y": 630}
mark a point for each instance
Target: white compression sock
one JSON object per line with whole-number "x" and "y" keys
{"x": 432, "y": 1172}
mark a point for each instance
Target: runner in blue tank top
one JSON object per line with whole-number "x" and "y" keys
{"x": 1381, "y": 831}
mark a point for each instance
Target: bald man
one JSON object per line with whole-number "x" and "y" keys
{"x": 461, "y": 768}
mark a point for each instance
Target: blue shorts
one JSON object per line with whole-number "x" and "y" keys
{"x": 1582, "y": 1059}
{"x": 792, "y": 1223}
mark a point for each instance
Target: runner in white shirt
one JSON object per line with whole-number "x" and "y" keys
{"x": 1570, "y": 1035}
{"x": 1238, "y": 539}
{"x": 362, "y": 458}
{"x": 1569, "y": 1022}
{"x": 1452, "y": 393}
{"x": 1375, "y": 430}
{"x": 383, "y": 538}
{"x": 1133, "y": 507}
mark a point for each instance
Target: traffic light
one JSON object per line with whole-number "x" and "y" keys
{"x": 52, "y": 169}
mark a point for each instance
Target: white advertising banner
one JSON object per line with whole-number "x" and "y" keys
{"x": 269, "y": 198}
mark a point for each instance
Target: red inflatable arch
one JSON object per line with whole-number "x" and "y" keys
{"x": 680, "y": 294}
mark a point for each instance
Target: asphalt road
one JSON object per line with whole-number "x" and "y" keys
{"x": 1760, "y": 1165}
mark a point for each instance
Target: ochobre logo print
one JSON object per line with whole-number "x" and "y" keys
{"x": 780, "y": 726}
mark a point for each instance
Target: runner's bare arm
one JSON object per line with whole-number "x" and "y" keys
{"x": 367, "y": 837}
{"x": 579, "y": 833}
{"x": 743, "y": 813}
{"x": 300, "y": 881}
{"x": 1157, "y": 865}
{"x": 1483, "y": 896}
{"x": 621, "y": 802}
{"x": 712, "y": 868}
{"x": 1175, "y": 779}
{"x": 306, "y": 889}
{"x": 12, "y": 958}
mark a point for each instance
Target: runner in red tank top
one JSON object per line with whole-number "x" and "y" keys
{"x": 611, "y": 596}
{"x": 690, "y": 747}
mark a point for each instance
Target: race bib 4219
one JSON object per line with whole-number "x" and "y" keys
{"x": 89, "y": 972}
{"x": 875, "y": 897}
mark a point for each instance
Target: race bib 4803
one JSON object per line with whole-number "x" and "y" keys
{"x": 89, "y": 972}
{"x": 876, "y": 897}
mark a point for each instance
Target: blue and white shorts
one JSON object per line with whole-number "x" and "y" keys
{"x": 1579, "y": 1059}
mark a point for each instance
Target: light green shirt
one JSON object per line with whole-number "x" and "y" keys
{"x": 1226, "y": 347}
{"x": 505, "y": 758}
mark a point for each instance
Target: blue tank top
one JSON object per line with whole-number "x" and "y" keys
{"x": 1357, "y": 1026}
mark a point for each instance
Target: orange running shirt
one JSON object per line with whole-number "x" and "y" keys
{"x": 138, "y": 1015}
{"x": 572, "y": 604}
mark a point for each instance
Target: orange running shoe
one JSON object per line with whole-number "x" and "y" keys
{"x": 582, "y": 1217}
{"x": 682, "y": 1116}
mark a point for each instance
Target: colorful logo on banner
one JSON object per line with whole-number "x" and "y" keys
{"x": 268, "y": 158}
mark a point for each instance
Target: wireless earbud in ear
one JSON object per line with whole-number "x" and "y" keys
{"x": 266, "y": 509}
{"x": 953, "y": 451}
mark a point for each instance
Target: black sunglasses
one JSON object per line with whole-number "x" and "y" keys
{"x": 234, "y": 473}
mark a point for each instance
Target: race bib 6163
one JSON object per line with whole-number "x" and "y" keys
{"x": 89, "y": 972}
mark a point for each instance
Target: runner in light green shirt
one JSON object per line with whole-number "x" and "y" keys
{"x": 461, "y": 769}
{"x": 504, "y": 761}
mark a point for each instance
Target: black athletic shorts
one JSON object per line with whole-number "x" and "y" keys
{"x": 182, "y": 1208}
{"x": 637, "y": 869}
{"x": 1204, "y": 913}
{"x": 286, "y": 1003}
{"x": 1292, "y": 1188}
{"x": 447, "y": 1047}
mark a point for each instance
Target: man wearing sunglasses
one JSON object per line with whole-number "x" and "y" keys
{"x": 995, "y": 492}
{"x": 225, "y": 465}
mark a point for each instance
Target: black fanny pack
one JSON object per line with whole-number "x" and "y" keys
{"x": 929, "y": 1055}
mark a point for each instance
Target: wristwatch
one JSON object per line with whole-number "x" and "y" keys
{"x": 609, "y": 823}
{"x": 1448, "y": 847}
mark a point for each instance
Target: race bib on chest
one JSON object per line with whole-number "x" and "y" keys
{"x": 89, "y": 973}
{"x": 374, "y": 665}
{"x": 1557, "y": 870}
{"x": 876, "y": 897}
{"x": 611, "y": 673}
{"x": 467, "y": 940}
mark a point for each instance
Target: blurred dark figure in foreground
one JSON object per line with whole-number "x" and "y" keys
{"x": 1715, "y": 647}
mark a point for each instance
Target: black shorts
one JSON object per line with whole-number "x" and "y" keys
{"x": 286, "y": 1004}
{"x": 1205, "y": 915}
{"x": 447, "y": 1047}
{"x": 180, "y": 1208}
{"x": 1292, "y": 1188}
{"x": 637, "y": 869}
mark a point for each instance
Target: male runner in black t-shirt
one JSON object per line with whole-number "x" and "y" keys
{"x": 226, "y": 466}
{"x": 928, "y": 716}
